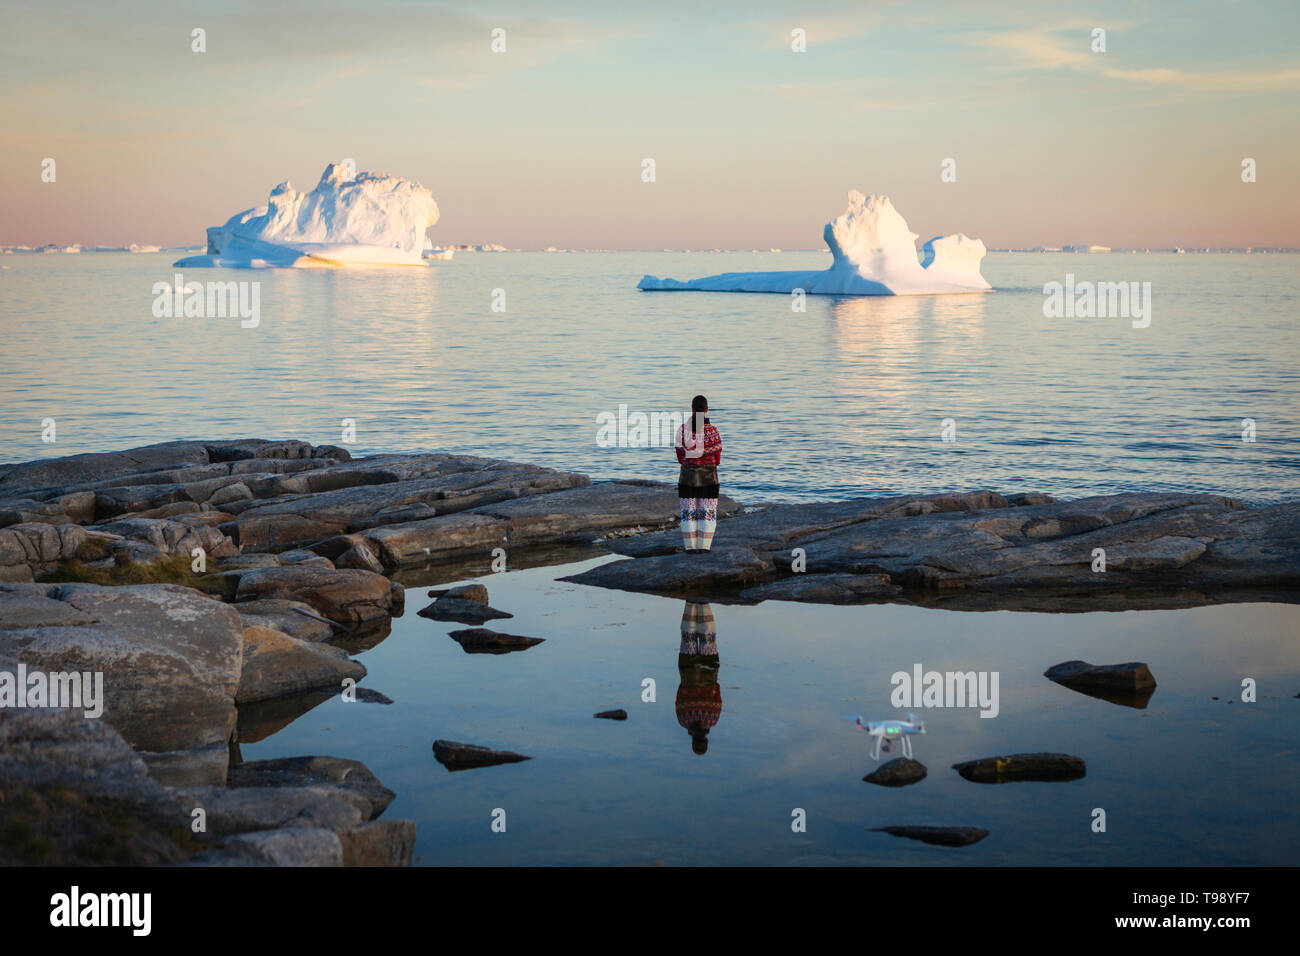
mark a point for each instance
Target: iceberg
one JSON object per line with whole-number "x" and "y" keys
{"x": 350, "y": 218}
{"x": 874, "y": 253}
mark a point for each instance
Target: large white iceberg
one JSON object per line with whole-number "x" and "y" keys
{"x": 875, "y": 254}
{"x": 350, "y": 218}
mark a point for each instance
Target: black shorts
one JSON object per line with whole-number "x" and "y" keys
{"x": 698, "y": 482}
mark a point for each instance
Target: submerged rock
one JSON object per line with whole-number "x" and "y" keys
{"x": 936, "y": 836}
{"x": 619, "y": 714}
{"x": 899, "y": 772}
{"x": 463, "y": 592}
{"x": 1021, "y": 767}
{"x": 458, "y": 756}
{"x": 1130, "y": 684}
{"x": 481, "y": 640}
{"x": 1134, "y": 675}
{"x": 461, "y": 611}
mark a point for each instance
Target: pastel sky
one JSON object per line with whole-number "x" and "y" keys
{"x": 755, "y": 145}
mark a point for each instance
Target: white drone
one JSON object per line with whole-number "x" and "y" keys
{"x": 887, "y": 732}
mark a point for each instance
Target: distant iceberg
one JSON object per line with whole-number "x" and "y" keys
{"x": 875, "y": 254}
{"x": 350, "y": 218}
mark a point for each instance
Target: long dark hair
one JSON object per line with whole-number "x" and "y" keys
{"x": 699, "y": 405}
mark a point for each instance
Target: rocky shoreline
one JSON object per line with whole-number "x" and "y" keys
{"x": 221, "y": 587}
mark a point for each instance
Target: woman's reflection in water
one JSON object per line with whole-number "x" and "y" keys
{"x": 699, "y": 698}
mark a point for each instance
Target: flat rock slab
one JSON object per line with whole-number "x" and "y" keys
{"x": 354, "y": 777}
{"x": 166, "y": 462}
{"x": 390, "y": 512}
{"x": 777, "y": 526}
{"x": 458, "y": 756}
{"x": 80, "y": 469}
{"x": 937, "y": 836}
{"x": 1045, "y": 767}
{"x": 619, "y": 714}
{"x": 344, "y": 595}
{"x": 585, "y": 513}
{"x": 461, "y": 611}
{"x": 295, "y": 618}
{"x": 899, "y": 772}
{"x": 444, "y": 538}
{"x": 582, "y": 513}
{"x": 398, "y": 489}
{"x": 77, "y": 508}
{"x": 481, "y": 640}
{"x": 230, "y": 811}
{"x": 825, "y": 589}
{"x": 288, "y": 846}
{"x": 995, "y": 550}
{"x": 722, "y": 568}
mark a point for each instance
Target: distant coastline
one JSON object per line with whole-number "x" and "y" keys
{"x": 140, "y": 249}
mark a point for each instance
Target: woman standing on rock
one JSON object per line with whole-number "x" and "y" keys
{"x": 699, "y": 451}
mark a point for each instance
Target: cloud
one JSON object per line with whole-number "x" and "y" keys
{"x": 1223, "y": 82}
{"x": 1040, "y": 49}
{"x": 1068, "y": 47}
{"x": 819, "y": 30}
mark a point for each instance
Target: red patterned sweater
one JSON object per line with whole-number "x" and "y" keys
{"x": 699, "y": 454}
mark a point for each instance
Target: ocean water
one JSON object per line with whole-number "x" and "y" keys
{"x": 846, "y": 398}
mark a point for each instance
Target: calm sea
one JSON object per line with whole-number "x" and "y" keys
{"x": 849, "y": 397}
{"x": 846, "y": 398}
